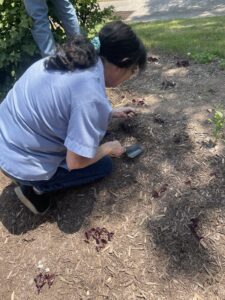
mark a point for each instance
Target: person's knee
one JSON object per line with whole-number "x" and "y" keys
{"x": 38, "y": 13}
{"x": 107, "y": 165}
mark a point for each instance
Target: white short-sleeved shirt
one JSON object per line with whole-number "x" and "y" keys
{"x": 48, "y": 112}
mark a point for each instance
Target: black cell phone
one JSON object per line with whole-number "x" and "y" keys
{"x": 133, "y": 151}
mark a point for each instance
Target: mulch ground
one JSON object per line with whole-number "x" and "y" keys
{"x": 163, "y": 212}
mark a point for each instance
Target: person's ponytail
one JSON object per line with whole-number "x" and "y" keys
{"x": 77, "y": 53}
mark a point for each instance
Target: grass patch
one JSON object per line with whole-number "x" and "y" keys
{"x": 202, "y": 39}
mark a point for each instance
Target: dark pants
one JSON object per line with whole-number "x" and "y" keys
{"x": 65, "y": 179}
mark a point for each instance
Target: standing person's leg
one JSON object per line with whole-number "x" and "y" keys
{"x": 38, "y": 11}
{"x": 66, "y": 13}
{"x": 35, "y": 195}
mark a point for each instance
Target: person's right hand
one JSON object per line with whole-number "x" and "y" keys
{"x": 115, "y": 149}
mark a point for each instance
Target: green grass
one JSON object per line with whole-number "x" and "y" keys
{"x": 202, "y": 39}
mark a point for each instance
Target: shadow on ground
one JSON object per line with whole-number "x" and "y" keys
{"x": 69, "y": 210}
{"x": 166, "y": 9}
{"x": 170, "y": 231}
{"x": 191, "y": 204}
{"x": 185, "y": 230}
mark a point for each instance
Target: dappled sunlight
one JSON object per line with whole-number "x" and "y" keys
{"x": 166, "y": 206}
{"x": 181, "y": 72}
{"x": 197, "y": 116}
{"x": 162, "y": 10}
{"x": 153, "y": 100}
{"x": 175, "y": 36}
{"x": 181, "y": 24}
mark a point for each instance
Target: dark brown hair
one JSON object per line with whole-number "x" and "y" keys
{"x": 118, "y": 44}
{"x": 77, "y": 53}
{"x": 121, "y": 46}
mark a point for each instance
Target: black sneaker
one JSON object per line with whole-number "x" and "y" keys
{"x": 38, "y": 204}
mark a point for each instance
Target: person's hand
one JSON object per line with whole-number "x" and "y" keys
{"x": 115, "y": 149}
{"x": 123, "y": 112}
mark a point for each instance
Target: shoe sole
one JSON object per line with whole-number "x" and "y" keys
{"x": 27, "y": 202}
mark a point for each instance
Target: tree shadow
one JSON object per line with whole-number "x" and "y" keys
{"x": 166, "y": 140}
{"x": 165, "y": 10}
{"x": 182, "y": 217}
{"x": 171, "y": 232}
{"x": 181, "y": 232}
{"x": 180, "y": 229}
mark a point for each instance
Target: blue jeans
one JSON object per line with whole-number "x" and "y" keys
{"x": 38, "y": 11}
{"x": 65, "y": 179}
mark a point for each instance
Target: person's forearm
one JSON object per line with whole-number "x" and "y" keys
{"x": 75, "y": 161}
{"x": 102, "y": 151}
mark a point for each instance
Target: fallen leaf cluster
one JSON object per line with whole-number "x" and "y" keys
{"x": 138, "y": 101}
{"x": 101, "y": 236}
{"x": 157, "y": 194}
{"x": 42, "y": 278}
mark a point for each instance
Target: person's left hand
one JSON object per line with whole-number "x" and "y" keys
{"x": 123, "y": 112}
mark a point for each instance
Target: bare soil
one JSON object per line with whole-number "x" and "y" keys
{"x": 166, "y": 208}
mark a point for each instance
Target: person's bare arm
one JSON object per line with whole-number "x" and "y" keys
{"x": 75, "y": 161}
